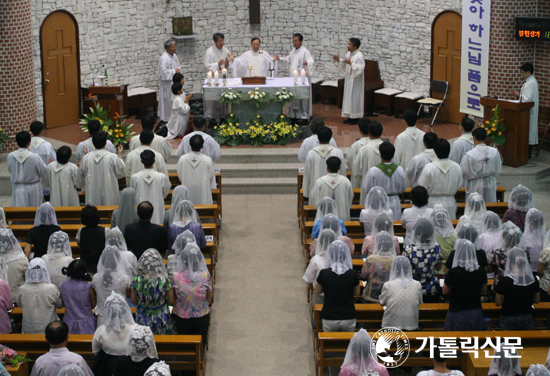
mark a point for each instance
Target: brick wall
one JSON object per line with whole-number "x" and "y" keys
{"x": 17, "y": 89}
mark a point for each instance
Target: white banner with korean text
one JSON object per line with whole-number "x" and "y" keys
{"x": 476, "y": 30}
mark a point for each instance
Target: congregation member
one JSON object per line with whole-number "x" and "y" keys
{"x": 331, "y": 221}
{"x": 417, "y": 164}
{"x": 168, "y": 65}
{"x": 59, "y": 357}
{"x": 491, "y": 233}
{"x": 133, "y": 162}
{"x": 159, "y": 143}
{"x": 353, "y": 64}
{"x": 534, "y": 235}
{"x": 358, "y": 360}
{"x": 115, "y": 238}
{"x": 45, "y": 224}
{"x": 260, "y": 61}
{"x": 440, "y": 365}
{"x": 504, "y": 364}
{"x": 356, "y": 146}
{"x": 465, "y": 142}
{"x": 196, "y": 172}
{"x": 387, "y": 175}
{"x": 39, "y": 146}
{"x": 325, "y": 207}
{"x": 315, "y": 125}
{"x": 369, "y": 155}
{"x": 474, "y": 211}
{"x": 376, "y": 269}
{"x": 179, "y": 194}
{"x": 90, "y": 238}
{"x": 377, "y": 201}
{"x": 127, "y": 211}
{"x": 519, "y": 203}
{"x": 26, "y": 170}
{"x": 410, "y": 142}
{"x": 143, "y": 235}
{"x": 179, "y": 245}
{"x": 216, "y": 58}
{"x": 210, "y": 148}
{"x": 511, "y": 237}
{"x": 470, "y": 233}
{"x": 543, "y": 271}
{"x": 317, "y": 262}
{"x": 63, "y": 179}
{"x": 530, "y": 93}
{"x": 442, "y": 178}
{"x": 14, "y": 258}
{"x": 6, "y": 299}
{"x": 79, "y": 299}
{"x": 186, "y": 218}
{"x": 419, "y": 200}
{"x": 158, "y": 369}
{"x": 58, "y": 256}
{"x": 480, "y": 166}
{"x": 3, "y": 223}
{"x": 85, "y": 147}
{"x": 382, "y": 222}
{"x": 140, "y": 354}
{"x": 150, "y": 185}
{"x": 336, "y": 186}
{"x": 179, "y": 118}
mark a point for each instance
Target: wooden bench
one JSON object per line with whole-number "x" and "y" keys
{"x": 480, "y": 366}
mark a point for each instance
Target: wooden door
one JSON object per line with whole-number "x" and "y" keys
{"x": 60, "y": 69}
{"x": 446, "y": 50}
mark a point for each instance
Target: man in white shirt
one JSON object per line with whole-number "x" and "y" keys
{"x": 196, "y": 172}
{"x": 465, "y": 142}
{"x": 335, "y": 186}
{"x": 49, "y": 364}
{"x": 409, "y": 143}
{"x": 416, "y": 165}
{"x": 87, "y": 146}
{"x": 159, "y": 143}
{"x": 63, "y": 179}
{"x": 315, "y": 125}
{"x": 480, "y": 166}
{"x": 357, "y": 145}
{"x": 169, "y": 65}
{"x": 354, "y": 85}
{"x": 133, "y": 159}
{"x": 260, "y": 62}
{"x": 216, "y": 58}
{"x": 530, "y": 93}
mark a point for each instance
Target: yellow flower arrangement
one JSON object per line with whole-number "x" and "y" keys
{"x": 494, "y": 127}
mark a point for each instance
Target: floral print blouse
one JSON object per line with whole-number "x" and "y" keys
{"x": 191, "y": 299}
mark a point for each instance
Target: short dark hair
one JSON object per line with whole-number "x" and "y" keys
{"x": 148, "y": 121}
{"x": 325, "y": 134}
{"x": 253, "y": 39}
{"x": 89, "y": 216}
{"x": 419, "y": 196}
{"x": 94, "y": 126}
{"x": 176, "y": 79}
{"x": 36, "y": 127}
{"x": 429, "y": 139}
{"x": 438, "y": 355}
{"x": 57, "y": 332}
{"x": 315, "y": 124}
{"x": 375, "y": 129}
{"x": 300, "y": 36}
{"x": 199, "y": 122}
{"x": 364, "y": 125}
{"x": 99, "y": 140}
{"x": 147, "y": 158}
{"x": 146, "y": 136}
{"x": 442, "y": 148}
{"x": 176, "y": 88}
{"x": 387, "y": 150}
{"x": 218, "y": 36}
{"x": 196, "y": 142}
{"x": 23, "y": 138}
{"x": 479, "y": 134}
{"x": 410, "y": 117}
{"x": 145, "y": 210}
{"x": 355, "y": 41}
{"x": 528, "y": 67}
{"x": 76, "y": 270}
{"x": 467, "y": 123}
{"x": 333, "y": 164}
{"x": 63, "y": 154}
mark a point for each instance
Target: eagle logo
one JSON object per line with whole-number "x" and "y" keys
{"x": 390, "y": 346}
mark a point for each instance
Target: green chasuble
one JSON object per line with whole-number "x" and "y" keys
{"x": 388, "y": 169}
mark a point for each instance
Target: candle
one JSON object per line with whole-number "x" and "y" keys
{"x": 209, "y": 77}
{"x": 224, "y": 73}
{"x": 303, "y": 74}
{"x": 216, "y": 79}
{"x": 295, "y": 76}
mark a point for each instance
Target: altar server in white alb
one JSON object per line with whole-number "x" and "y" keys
{"x": 169, "y": 65}
{"x": 417, "y": 164}
{"x": 480, "y": 166}
{"x": 216, "y": 58}
{"x": 101, "y": 171}
{"x": 299, "y": 59}
{"x": 179, "y": 118}
{"x": 316, "y": 161}
{"x": 196, "y": 172}
{"x": 410, "y": 142}
{"x": 315, "y": 125}
{"x": 133, "y": 159}
{"x": 211, "y": 148}
{"x": 63, "y": 179}
{"x": 87, "y": 146}
{"x": 357, "y": 145}
{"x": 159, "y": 143}
{"x": 354, "y": 85}
{"x": 335, "y": 186}
{"x": 40, "y": 146}
{"x": 465, "y": 142}
{"x": 530, "y": 93}
{"x": 26, "y": 169}
{"x": 257, "y": 59}
{"x": 151, "y": 186}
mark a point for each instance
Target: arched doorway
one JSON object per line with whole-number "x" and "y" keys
{"x": 60, "y": 69}
{"x": 446, "y": 51}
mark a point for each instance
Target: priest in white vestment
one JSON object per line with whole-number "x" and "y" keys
{"x": 354, "y": 85}
{"x": 101, "y": 171}
{"x": 26, "y": 170}
{"x": 87, "y": 146}
{"x": 357, "y": 145}
{"x": 63, "y": 178}
{"x": 168, "y": 66}
{"x": 335, "y": 186}
{"x": 480, "y": 166}
{"x": 316, "y": 161}
{"x": 216, "y": 58}
{"x": 387, "y": 175}
{"x": 196, "y": 172}
{"x": 312, "y": 141}
{"x": 465, "y": 142}
{"x": 159, "y": 143}
{"x": 530, "y": 93}
{"x": 410, "y": 142}
{"x": 260, "y": 62}
{"x": 442, "y": 178}
{"x": 133, "y": 159}
{"x": 151, "y": 186}
{"x": 417, "y": 164}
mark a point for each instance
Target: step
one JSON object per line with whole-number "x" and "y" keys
{"x": 254, "y": 170}
{"x": 259, "y": 186}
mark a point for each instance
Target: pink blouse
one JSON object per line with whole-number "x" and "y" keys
{"x": 191, "y": 299}
{"x": 6, "y": 304}
{"x": 368, "y": 245}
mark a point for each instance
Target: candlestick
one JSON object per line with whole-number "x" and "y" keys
{"x": 295, "y": 77}
{"x": 216, "y": 78}
{"x": 209, "y": 77}
{"x": 303, "y": 74}
{"x": 224, "y": 76}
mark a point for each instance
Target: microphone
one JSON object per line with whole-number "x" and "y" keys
{"x": 269, "y": 61}
{"x": 98, "y": 73}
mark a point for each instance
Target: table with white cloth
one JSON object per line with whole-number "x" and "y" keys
{"x": 245, "y": 110}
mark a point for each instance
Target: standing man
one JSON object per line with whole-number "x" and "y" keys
{"x": 217, "y": 58}
{"x": 354, "y": 86}
{"x": 299, "y": 58}
{"x": 260, "y": 61}
{"x": 168, "y": 66}
{"x": 530, "y": 93}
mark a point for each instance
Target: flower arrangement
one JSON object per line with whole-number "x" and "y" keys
{"x": 495, "y": 128}
{"x": 284, "y": 96}
{"x": 229, "y": 131}
{"x": 117, "y": 131}
{"x": 96, "y": 113}
{"x": 230, "y": 96}
{"x": 120, "y": 133}
{"x": 257, "y": 97}
{"x": 10, "y": 357}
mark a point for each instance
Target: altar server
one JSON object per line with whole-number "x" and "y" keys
{"x": 530, "y": 93}
{"x": 133, "y": 159}
{"x": 26, "y": 169}
{"x": 260, "y": 62}
{"x": 87, "y": 146}
{"x": 40, "y": 146}
{"x": 356, "y": 146}
{"x": 315, "y": 125}
{"x": 211, "y": 148}
{"x": 410, "y": 142}
{"x": 196, "y": 172}
{"x": 216, "y": 58}
{"x": 465, "y": 142}
{"x": 159, "y": 144}
{"x": 169, "y": 65}
{"x": 179, "y": 118}
{"x": 417, "y": 164}
{"x": 63, "y": 179}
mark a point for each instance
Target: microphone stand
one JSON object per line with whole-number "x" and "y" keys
{"x": 269, "y": 62}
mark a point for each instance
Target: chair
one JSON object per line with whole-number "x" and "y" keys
{"x": 333, "y": 89}
{"x": 373, "y": 82}
{"x": 437, "y": 86}
{"x": 544, "y": 115}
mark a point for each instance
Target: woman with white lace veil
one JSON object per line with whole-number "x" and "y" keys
{"x": 59, "y": 256}
{"x": 543, "y": 269}
{"x": 377, "y": 201}
{"x": 516, "y": 292}
{"x": 533, "y": 236}
{"x": 491, "y": 233}
{"x": 537, "y": 370}
{"x": 468, "y": 232}
{"x": 180, "y": 193}
{"x": 473, "y": 212}
{"x": 376, "y": 269}
{"x": 151, "y": 291}
{"x": 358, "y": 360}
{"x": 181, "y": 241}
{"x": 325, "y": 207}
{"x": 158, "y": 369}
{"x": 382, "y": 222}
{"x": 401, "y": 297}
{"x": 464, "y": 284}
{"x": 38, "y": 298}
{"x": 186, "y": 218}
{"x": 45, "y": 224}
{"x": 6, "y": 299}
{"x": 317, "y": 262}
{"x": 445, "y": 234}
{"x": 419, "y": 198}
{"x": 127, "y": 212}
{"x": 332, "y": 222}
{"x": 12, "y": 254}
{"x": 116, "y": 238}
{"x": 339, "y": 282}
{"x": 519, "y": 203}
{"x": 111, "y": 276}
{"x": 110, "y": 340}
{"x": 71, "y": 370}
{"x": 504, "y": 365}
{"x": 141, "y": 353}
{"x": 512, "y": 236}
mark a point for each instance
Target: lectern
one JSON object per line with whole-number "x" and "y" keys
{"x": 110, "y": 98}
{"x": 516, "y": 120}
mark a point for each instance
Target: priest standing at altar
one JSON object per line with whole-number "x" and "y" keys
{"x": 530, "y": 93}
{"x": 298, "y": 59}
{"x": 254, "y": 62}
{"x": 169, "y": 65}
{"x": 216, "y": 58}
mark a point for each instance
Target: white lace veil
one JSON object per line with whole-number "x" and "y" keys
{"x": 182, "y": 240}
{"x": 491, "y": 223}
{"x": 331, "y": 221}
{"x": 59, "y": 245}
{"x": 384, "y": 245}
{"x": 358, "y": 356}
{"x": 127, "y": 212}
{"x": 117, "y": 313}
{"x": 185, "y": 214}
{"x": 141, "y": 344}
{"x": 518, "y": 268}
{"x": 45, "y": 215}
{"x": 338, "y": 257}
{"x": 401, "y": 271}
{"x": 37, "y": 272}
{"x": 382, "y": 222}
{"x": 377, "y": 200}
{"x": 71, "y": 370}
{"x": 326, "y": 237}
{"x": 537, "y": 370}
{"x": 469, "y": 232}
{"x": 111, "y": 269}
{"x": 151, "y": 265}
{"x": 503, "y": 365}
{"x": 521, "y": 199}
{"x": 158, "y": 369}
{"x": 191, "y": 260}
{"x": 465, "y": 255}
{"x": 511, "y": 236}
{"x": 326, "y": 206}
{"x": 180, "y": 193}
{"x": 423, "y": 236}
{"x": 474, "y": 211}
{"x": 3, "y": 270}
{"x": 442, "y": 221}
{"x": 116, "y": 238}
{"x": 10, "y": 249}
{"x": 3, "y": 222}
{"x": 535, "y": 229}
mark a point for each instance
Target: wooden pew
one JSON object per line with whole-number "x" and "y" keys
{"x": 174, "y": 180}
{"x": 480, "y": 366}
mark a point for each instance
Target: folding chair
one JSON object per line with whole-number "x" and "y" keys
{"x": 437, "y": 86}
